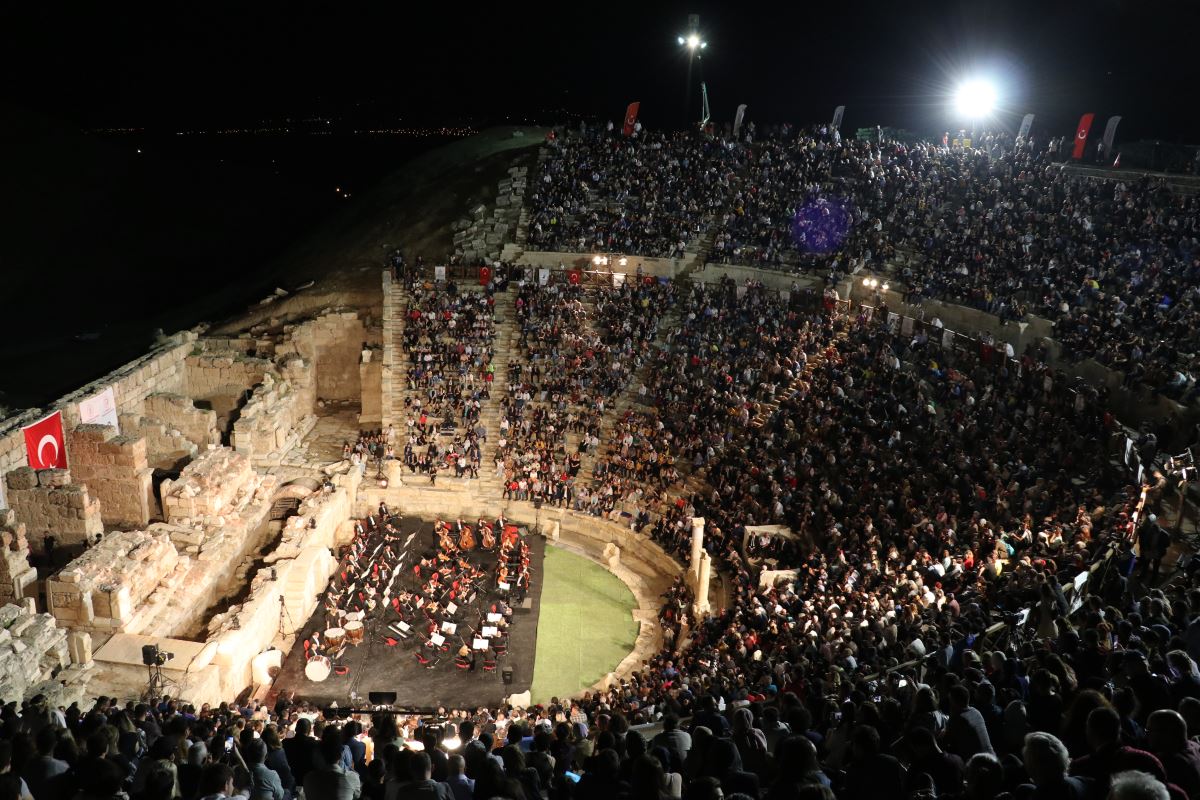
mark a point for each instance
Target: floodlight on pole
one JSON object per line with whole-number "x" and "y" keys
{"x": 975, "y": 99}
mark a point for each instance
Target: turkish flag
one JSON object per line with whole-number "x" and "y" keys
{"x": 574, "y": 276}
{"x": 1081, "y": 134}
{"x": 45, "y": 444}
{"x": 631, "y": 117}
{"x": 485, "y": 275}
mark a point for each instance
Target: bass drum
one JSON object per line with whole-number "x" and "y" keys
{"x": 317, "y": 669}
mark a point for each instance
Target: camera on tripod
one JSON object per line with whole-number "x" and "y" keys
{"x": 153, "y": 657}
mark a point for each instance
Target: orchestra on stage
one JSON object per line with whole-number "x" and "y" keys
{"x": 452, "y": 594}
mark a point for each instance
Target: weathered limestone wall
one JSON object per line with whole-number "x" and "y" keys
{"x": 51, "y": 505}
{"x": 108, "y": 589}
{"x": 33, "y": 650}
{"x": 278, "y": 414}
{"x": 116, "y": 472}
{"x": 332, "y": 343}
{"x": 162, "y": 581}
{"x": 209, "y": 486}
{"x": 165, "y": 447}
{"x": 180, "y": 415}
{"x": 16, "y": 575}
{"x": 222, "y": 375}
{"x": 160, "y": 370}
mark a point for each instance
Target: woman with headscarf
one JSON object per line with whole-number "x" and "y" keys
{"x": 751, "y": 743}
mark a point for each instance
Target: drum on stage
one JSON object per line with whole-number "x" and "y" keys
{"x": 356, "y": 616}
{"x": 317, "y": 669}
{"x": 354, "y": 632}
{"x": 335, "y": 639}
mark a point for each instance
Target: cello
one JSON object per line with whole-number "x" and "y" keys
{"x": 487, "y": 536}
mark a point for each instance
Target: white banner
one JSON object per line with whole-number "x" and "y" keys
{"x": 100, "y": 410}
{"x": 618, "y": 280}
{"x": 543, "y": 276}
{"x": 947, "y": 340}
{"x": 439, "y": 274}
{"x": 737, "y": 119}
{"x": 893, "y": 322}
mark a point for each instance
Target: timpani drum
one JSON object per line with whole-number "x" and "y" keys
{"x": 354, "y": 632}
{"x": 335, "y": 639}
{"x": 317, "y": 669}
{"x": 356, "y": 616}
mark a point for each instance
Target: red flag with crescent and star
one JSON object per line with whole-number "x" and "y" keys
{"x": 45, "y": 443}
{"x": 1081, "y": 134}
{"x": 485, "y": 275}
{"x": 575, "y": 276}
{"x": 631, "y": 117}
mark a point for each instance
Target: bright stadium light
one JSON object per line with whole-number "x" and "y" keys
{"x": 975, "y": 99}
{"x": 682, "y": 40}
{"x": 693, "y": 41}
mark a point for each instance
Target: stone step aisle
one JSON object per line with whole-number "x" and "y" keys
{"x": 394, "y": 369}
{"x": 504, "y": 348}
{"x": 627, "y": 398}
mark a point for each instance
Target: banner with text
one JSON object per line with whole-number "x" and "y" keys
{"x": 1081, "y": 135}
{"x": 631, "y": 114}
{"x": 737, "y": 119}
{"x": 45, "y": 444}
{"x": 100, "y": 410}
{"x": 838, "y": 113}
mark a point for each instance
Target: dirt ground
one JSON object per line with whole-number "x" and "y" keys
{"x": 412, "y": 209}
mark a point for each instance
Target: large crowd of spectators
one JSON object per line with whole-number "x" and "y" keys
{"x": 1000, "y": 227}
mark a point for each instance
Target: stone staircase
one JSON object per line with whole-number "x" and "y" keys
{"x": 504, "y": 347}
{"x": 395, "y": 299}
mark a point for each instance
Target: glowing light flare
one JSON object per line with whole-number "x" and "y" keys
{"x": 975, "y": 98}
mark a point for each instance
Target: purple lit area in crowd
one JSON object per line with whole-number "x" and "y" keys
{"x": 821, "y": 224}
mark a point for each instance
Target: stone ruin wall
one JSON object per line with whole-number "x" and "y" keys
{"x": 115, "y": 471}
{"x": 161, "y": 580}
{"x": 49, "y": 504}
{"x": 278, "y": 414}
{"x": 332, "y": 343}
{"x": 161, "y": 370}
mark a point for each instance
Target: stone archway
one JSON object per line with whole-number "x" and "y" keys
{"x": 289, "y": 496}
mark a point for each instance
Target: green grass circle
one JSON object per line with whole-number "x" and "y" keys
{"x": 585, "y": 627}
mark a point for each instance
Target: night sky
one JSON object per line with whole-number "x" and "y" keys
{"x": 204, "y": 64}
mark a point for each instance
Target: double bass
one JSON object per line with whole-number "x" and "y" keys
{"x": 467, "y": 540}
{"x": 488, "y": 536}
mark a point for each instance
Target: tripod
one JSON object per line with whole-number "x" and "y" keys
{"x": 158, "y": 685}
{"x": 285, "y": 619}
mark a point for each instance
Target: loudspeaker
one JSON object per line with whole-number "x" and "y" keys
{"x": 507, "y": 675}
{"x": 382, "y": 698}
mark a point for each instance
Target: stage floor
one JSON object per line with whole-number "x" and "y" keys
{"x": 376, "y": 667}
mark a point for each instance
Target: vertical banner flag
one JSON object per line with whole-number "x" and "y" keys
{"x": 1026, "y": 125}
{"x": 100, "y": 410}
{"x": 737, "y": 119}
{"x": 575, "y": 276}
{"x": 45, "y": 444}
{"x": 838, "y": 113}
{"x": 1081, "y": 134}
{"x": 947, "y": 339}
{"x": 485, "y": 275}
{"x": 439, "y": 274}
{"x": 543, "y": 276}
{"x": 631, "y": 117}
{"x": 1110, "y": 133}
